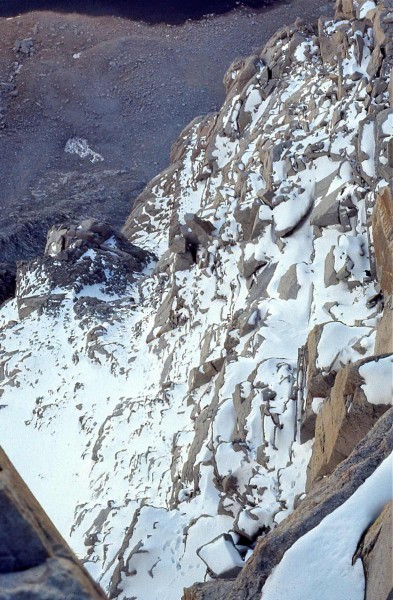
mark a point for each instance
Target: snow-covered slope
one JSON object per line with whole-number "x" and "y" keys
{"x": 150, "y": 398}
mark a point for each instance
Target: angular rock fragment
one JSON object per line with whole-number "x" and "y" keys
{"x": 289, "y": 286}
{"x": 384, "y": 335}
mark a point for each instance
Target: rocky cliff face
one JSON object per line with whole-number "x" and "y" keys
{"x": 168, "y": 382}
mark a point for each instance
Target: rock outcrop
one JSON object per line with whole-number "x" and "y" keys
{"x": 35, "y": 562}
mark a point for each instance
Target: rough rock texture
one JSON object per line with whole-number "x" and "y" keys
{"x": 174, "y": 380}
{"x": 35, "y": 562}
{"x": 384, "y": 335}
{"x": 376, "y": 553}
{"x": 383, "y": 237}
{"x": 344, "y": 419}
{"x": 80, "y": 254}
{"x": 330, "y": 493}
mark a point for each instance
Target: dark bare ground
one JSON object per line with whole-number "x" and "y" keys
{"x": 127, "y": 87}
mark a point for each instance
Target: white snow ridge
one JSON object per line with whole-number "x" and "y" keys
{"x": 155, "y": 410}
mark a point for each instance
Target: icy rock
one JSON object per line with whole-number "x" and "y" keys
{"x": 86, "y": 255}
{"x": 221, "y": 557}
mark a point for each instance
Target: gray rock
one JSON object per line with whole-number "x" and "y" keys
{"x": 289, "y": 287}
{"x": 326, "y": 212}
{"x": 330, "y": 277}
{"x": 24, "y": 46}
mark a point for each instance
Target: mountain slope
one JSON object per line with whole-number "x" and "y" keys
{"x": 158, "y": 385}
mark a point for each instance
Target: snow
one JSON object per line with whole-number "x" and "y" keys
{"x": 321, "y": 562}
{"x": 378, "y": 376}
{"x": 368, "y": 146}
{"x": 387, "y": 125}
{"x": 80, "y": 147}
{"x": 368, "y": 5}
{"x": 221, "y": 556}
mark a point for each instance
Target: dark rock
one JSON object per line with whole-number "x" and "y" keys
{"x": 197, "y": 231}
{"x": 78, "y": 255}
{"x": 35, "y": 562}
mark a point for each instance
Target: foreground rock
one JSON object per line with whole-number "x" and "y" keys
{"x": 376, "y": 553}
{"x": 35, "y": 562}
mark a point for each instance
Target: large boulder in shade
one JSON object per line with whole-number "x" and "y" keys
{"x": 330, "y": 493}
{"x": 376, "y": 553}
{"x": 35, "y": 561}
{"x": 351, "y": 411}
{"x": 383, "y": 238}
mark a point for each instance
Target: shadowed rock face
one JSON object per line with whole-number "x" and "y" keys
{"x": 35, "y": 561}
